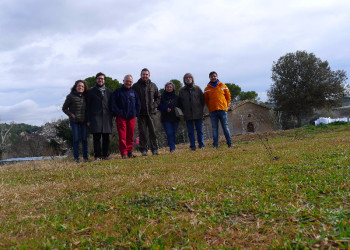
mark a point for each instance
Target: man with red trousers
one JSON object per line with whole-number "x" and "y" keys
{"x": 126, "y": 107}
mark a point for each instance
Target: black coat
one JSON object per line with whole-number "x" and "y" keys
{"x": 75, "y": 104}
{"x": 99, "y": 111}
{"x": 191, "y": 101}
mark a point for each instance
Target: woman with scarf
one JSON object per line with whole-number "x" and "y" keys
{"x": 168, "y": 102}
{"x": 75, "y": 108}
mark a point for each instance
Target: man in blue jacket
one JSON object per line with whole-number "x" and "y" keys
{"x": 126, "y": 107}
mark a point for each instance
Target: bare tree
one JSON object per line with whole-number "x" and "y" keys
{"x": 4, "y": 132}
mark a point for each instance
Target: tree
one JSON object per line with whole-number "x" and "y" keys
{"x": 4, "y": 135}
{"x": 249, "y": 95}
{"x": 64, "y": 131}
{"x": 238, "y": 95}
{"x": 110, "y": 83}
{"x": 178, "y": 86}
{"x": 31, "y": 145}
{"x": 303, "y": 82}
{"x": 234, "y": 90}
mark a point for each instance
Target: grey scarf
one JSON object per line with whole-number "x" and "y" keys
{"x": 101, "y": 88}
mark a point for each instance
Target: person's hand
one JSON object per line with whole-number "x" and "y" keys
{"x": 73, "y": 116}
{"x": 88, "y": 123}
{"x": 169, "y": 110}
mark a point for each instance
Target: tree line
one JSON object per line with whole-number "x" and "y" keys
{"x": 236, "y": 92}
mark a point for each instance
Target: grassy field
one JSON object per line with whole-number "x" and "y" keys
{"x": 287, "y": 189}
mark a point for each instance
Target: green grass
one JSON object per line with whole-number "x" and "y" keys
{"x": 287, "y": 189}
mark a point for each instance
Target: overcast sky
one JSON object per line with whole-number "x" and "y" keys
{"x": 46, "y": 45}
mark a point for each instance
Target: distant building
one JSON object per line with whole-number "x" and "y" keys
{"x": 246, "y": 117}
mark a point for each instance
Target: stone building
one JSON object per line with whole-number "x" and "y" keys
{"x": 245, "y": 117}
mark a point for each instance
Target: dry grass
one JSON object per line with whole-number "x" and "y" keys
{"x": 286, "y": 189}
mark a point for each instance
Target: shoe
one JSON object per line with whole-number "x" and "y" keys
{"x": 172, "y": 151}
{"x": 215, "y": 147}
{"x": 77, "y": 160}
{"x": 131, "y": 155}
{"x": 193, "y": 149}
{"x": 230, "y": 145}
{"x": 123, "y": 156}
{"x": 86, "y": 160}
{"x": 97, "y": 159}
{"x": 155, "y": 152}
{"x": 144, "y": 153}
{"x": 106, "y": 158}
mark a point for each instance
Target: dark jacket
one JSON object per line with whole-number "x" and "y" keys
{"x": 125, "y": 103}
{"x": 149, "y": 96}
{"x": 99, "y": 111}
{"x": 168, "y": 100}
{"x": 191, "y": 101}
{"x": 75, "y": 103}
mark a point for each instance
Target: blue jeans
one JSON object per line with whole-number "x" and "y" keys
{"x": 170, "y": 130}
{"x": 190, "y": 130}
{"x": 215, "y": 117}
{"x": 83, "y": 132}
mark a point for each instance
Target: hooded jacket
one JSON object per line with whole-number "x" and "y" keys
{"x": 75, "y": 103}
{"x": 217, "y": 98}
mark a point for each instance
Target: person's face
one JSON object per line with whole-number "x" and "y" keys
{"x": 80, "y": 87}
{"x": 145, "y": 75}
{"x": 100, "y": 80}
{"x": 169, "y": 88}
{"x": 188, "y": 79}
{"x": 128, "y": 82}
{"x": 213, "y": 77}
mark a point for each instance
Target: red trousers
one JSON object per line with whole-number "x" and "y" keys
{"x": 126, "y": 134}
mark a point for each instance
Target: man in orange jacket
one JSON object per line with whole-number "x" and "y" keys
{"x": 217, "y": 97}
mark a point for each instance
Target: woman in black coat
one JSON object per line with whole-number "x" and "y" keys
{"x": 75, "y": 107}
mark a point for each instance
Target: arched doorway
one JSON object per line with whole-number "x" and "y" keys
{"x": 250, "y": 127}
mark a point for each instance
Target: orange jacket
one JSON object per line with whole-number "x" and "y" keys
{"x": 217, "y": 98}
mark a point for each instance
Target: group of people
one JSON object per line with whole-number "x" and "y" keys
{"x": 96, "y": 107}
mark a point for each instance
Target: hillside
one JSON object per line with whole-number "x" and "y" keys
{"x": 287, "y": 189}
{"x": 24, "y": 140}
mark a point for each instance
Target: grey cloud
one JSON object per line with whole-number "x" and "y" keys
{"x": 47, "y": 45}
{"x": 29, "y": 112}
{"x": 37, "y": 19}
{"x": 32, "y": 56}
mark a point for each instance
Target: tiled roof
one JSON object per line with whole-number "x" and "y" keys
{"x": 235, "y": 105}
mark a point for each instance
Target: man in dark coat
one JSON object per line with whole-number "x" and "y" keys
{"x": 150, "y": 99}
{"x": 100, "y": 116}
